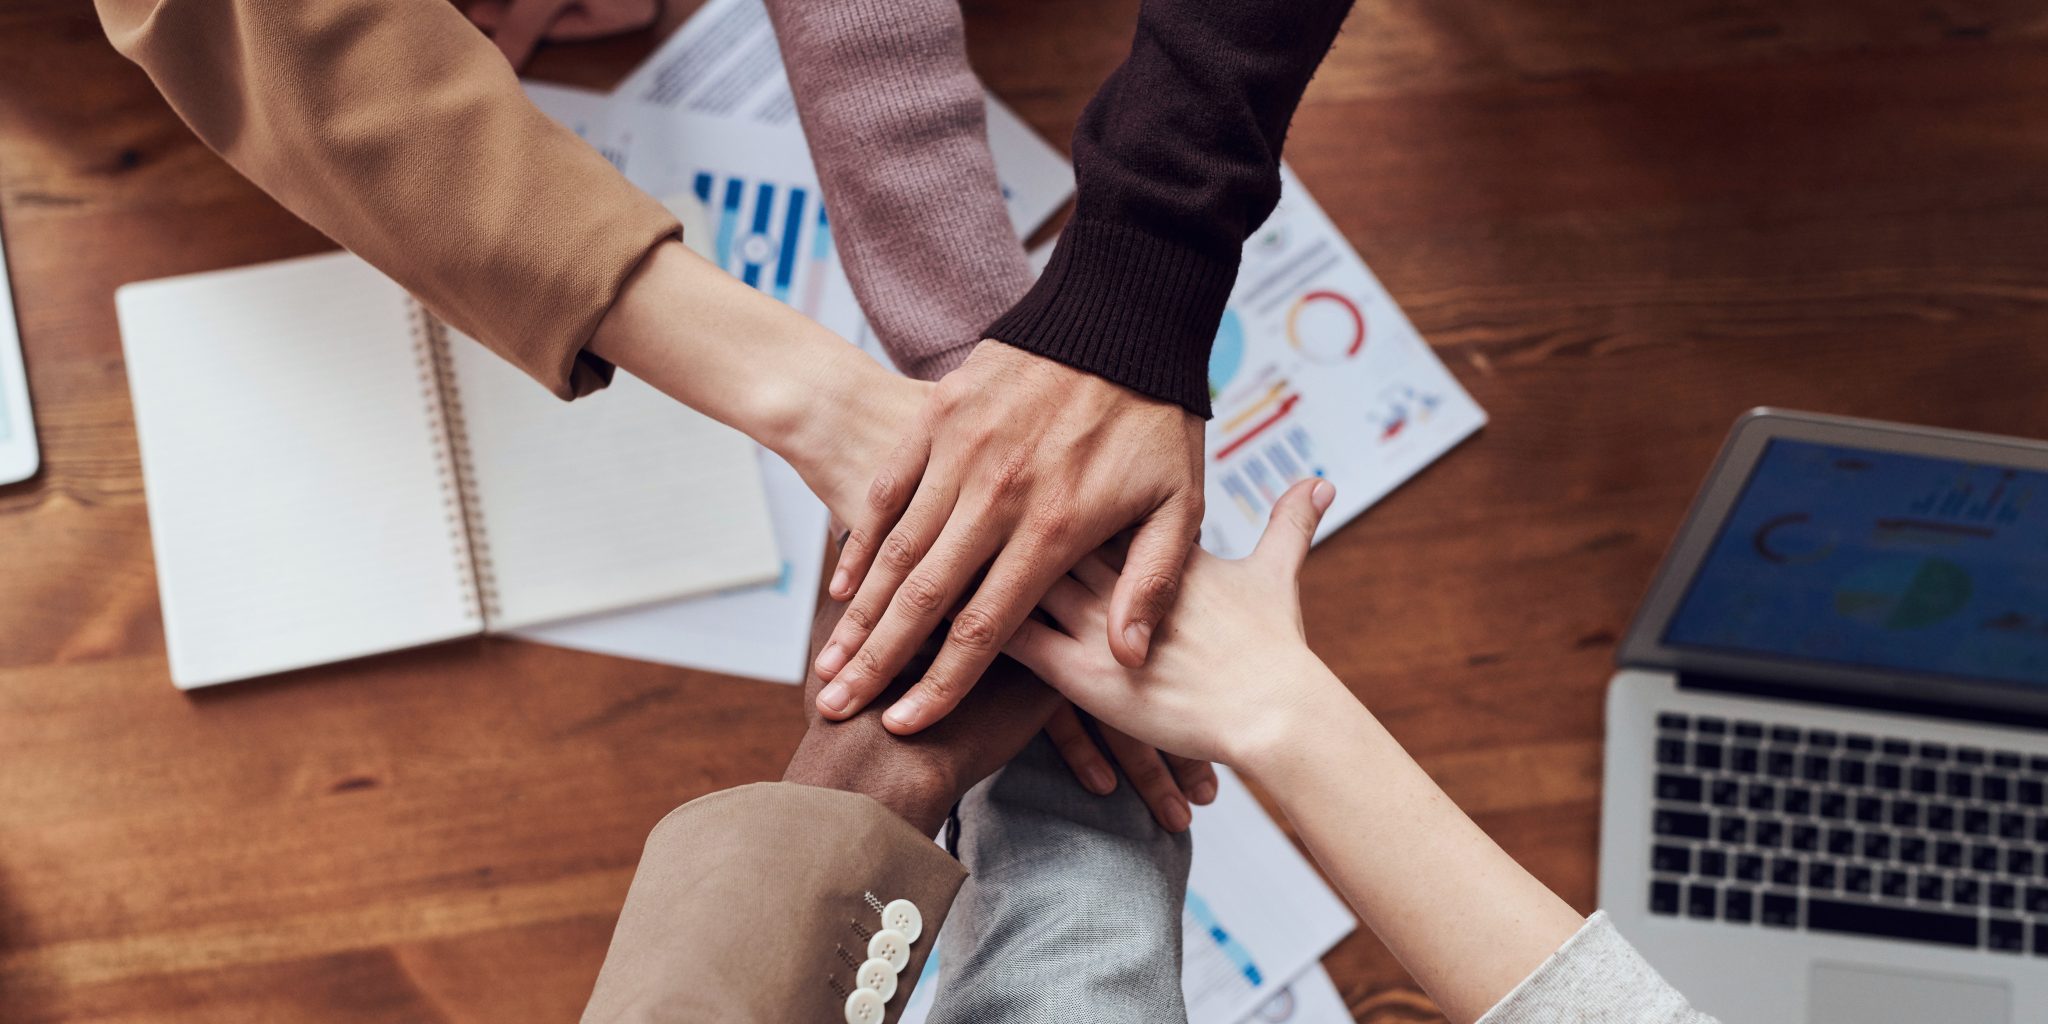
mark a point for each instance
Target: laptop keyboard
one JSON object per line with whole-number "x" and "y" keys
{"x": 1780, "y": 827}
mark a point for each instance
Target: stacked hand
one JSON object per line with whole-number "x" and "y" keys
{"x": 849, "y": 432}
{"x": 1019, "y": 466}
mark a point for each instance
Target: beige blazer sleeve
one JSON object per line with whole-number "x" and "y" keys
{"x": 395, "y": 127}
{"x": 754, "y": 904}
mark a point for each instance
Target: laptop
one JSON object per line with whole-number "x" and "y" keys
{"x": 1826, "y": 790}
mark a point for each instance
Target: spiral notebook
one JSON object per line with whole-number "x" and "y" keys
{"x": 331, "y": 472}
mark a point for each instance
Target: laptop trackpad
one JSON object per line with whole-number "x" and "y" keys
{"x": 1869, "y": 995}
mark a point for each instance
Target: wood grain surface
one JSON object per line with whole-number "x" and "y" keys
{"x": 1620, "y": 223}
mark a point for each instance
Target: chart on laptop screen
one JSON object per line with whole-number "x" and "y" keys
{"x": 1879, "y": 559}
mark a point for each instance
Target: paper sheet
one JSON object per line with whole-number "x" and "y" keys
{"x": 709, "y": 115}
{"x": 1315, "y": 371}
{"x": 1257, "y": 918}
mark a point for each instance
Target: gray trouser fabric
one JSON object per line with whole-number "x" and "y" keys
{"x": 1072, "y": 908}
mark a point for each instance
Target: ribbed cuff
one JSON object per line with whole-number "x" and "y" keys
{"x": 1127, "y": 307}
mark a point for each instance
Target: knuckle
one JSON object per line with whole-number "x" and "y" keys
{"x": 1012, "y": 476}
{"x": 1149, "y": 774}
{"x": 974, "y": 629}
{"x": 943, "y": 689}
{"x": 858, "y": 539}
{"x": 899, "y": 553}
{"x": 860, "y": 617}
{"x": 868, "y": 674}
{"x": 882, "y": 492}
{"x": 920, "y": 594}
{"x": 1054, "y": 521}
{"x": 1157, "y": 588}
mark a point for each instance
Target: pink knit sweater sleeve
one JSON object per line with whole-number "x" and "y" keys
{"x": 897, "y": 128}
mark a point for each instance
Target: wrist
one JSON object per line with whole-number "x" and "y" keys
{"x": 848, "y": 756}
{"x": 1315, "y": 702}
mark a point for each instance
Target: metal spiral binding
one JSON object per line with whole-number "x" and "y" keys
{"x": 458, "y": 470}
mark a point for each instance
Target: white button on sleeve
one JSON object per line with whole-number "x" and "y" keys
{"x": 864, "y": 1007}
{"x": 877, "y": 976}
{"x": 903, "y": 916}
{"x": 889, "y": 944}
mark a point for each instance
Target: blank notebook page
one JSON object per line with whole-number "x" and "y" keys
{"x": 289, "y": 458}
{"x": 620, "y": 498}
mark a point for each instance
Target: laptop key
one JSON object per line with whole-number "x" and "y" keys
{"x": 1680, "y": 788}
{"x": 1898, "y": 748}
{"x": 1778, "y": 762}
{"x": 1933, "y": 752}
{"x": 1806, "y": 838}
{"x": 1984, "y": 858}
{"x": 1664, "y": 898}
{"x": 2031, "y": 792}
{"x": 1905, "y": 812}
{"x": 1912, "y": 849}
{"x": 1965, "y": 892}
{"x": 1738, "y": 905}
{"x": 1768, "y": 833}
{"x": 1859, "y": 742}
{"x": 2012, "y": 826}
{"x": 2019, "y": 861}
{"x": 1685, "y": 824}
{"x": 1922, "y": 780}
{"x": 1948, "y": 853}
{"x": 1961, "y": 785}
{"x": 1749, "y": 867}
{"x": 1895, "y": 884}
{"x": 1842, "y": 841}
{"x": 1970, "y": 755}
{"x": 1670, "y": 751}
{"x": 1784, "y": 734}
{"x": 1941, "y": 818}
{"x": 1710, "y": 726}
{"x": 1762, "y": 796}
{"x": 2037, "y": 900}
{"x": 1672, "y": 720}
{"x": 2001, "y": 895}
{"x": 1869, "y": 809}
{"x": 1749, "y": 730}
{"x": 1856, "y": 878}
{"x": 1707, "y": 756}
{"x": 2005, "y": 935}
{"x": 1742, "y": 760}
{"x": 1725, "y": 793}
{"x": 1713, "y": 863}
{"x": 1833, "y": 805}
{"x": 1852, "y": 772}
{"x": 1976, "y": 821}
{"x": 1675, "y": 860}
{"x": 1877, "y": 846}
{"x": 1797, "y": 800}
{"x": 1847, "y": 918}
{"x": 1780, "y": 910}
{"x": 1732, "y": 829}
{"x": 1785, "y": 871}
{"x": 2041, "y": 940}
{"x": 1997, "y": 789}
{"x": 1816, "y": 768}
{"x": 1701, "y": 901}
{"x": 1886, "y": 775}
{"x": 1820, "y": 875}
{"x": 1930, "y": 888}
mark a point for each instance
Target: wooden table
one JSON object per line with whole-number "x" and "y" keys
{"x": 1620, "y": 226}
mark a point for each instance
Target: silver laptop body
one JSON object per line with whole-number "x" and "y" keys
{"x": 1826, "y": 793}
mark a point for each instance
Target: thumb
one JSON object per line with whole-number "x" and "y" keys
{"x": 1293, "y": 525}
{"x": 1150, "y": 581}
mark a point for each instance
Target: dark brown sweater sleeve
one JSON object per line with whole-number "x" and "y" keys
{"x": 1177, "y": 161}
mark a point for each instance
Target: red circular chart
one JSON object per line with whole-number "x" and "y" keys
{"x": 1323, "y": 337}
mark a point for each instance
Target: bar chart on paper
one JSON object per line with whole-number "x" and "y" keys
{"x": 1315, "y": 372}
{"x": 772, "y": 236}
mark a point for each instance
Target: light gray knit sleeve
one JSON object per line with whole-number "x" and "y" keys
{"x": 1596, "y": 977}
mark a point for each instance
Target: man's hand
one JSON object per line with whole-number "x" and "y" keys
{"x": 1020, "y": 465}
{"x": 921, "y": 777}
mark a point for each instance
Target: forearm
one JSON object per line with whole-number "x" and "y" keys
{"x": 927, "y": 242}
{"x": 1177, "y": 161}
{"x": 1465, "y": 919}
{"x": 398, "y": 130}
{"x": 726, "y": 350}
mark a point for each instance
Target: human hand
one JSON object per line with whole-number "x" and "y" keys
{"x": 1225, "y": 675}
{"x": 1167, "y": 784}
{"x": 920, "y": 777}
{"x": 1023, "y": 462}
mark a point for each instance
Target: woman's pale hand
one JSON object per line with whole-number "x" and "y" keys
{"x": 1227, "y": 666}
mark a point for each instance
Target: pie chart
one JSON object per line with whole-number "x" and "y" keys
{"x": 1226, "y": 357}
{"x": 1903, "y": 592}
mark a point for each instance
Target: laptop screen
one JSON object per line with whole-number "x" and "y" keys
{"x": 1879, "y": 560}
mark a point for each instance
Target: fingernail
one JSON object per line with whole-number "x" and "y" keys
{"x": 902, "y": 714}
{"x": 838, "y": 587}
{"x": 835, "y": 696}
{"x": 831, "y": 660}
{"x": 1098, "y": 780}
{"x": 1138, "y": 635}
{"x": 1205, "y": 791}
{"x": 1322, "y": 494}
{"x": 1178, "y": 817}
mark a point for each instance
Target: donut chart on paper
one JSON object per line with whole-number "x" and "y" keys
{"x": 1326, "y": 326}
